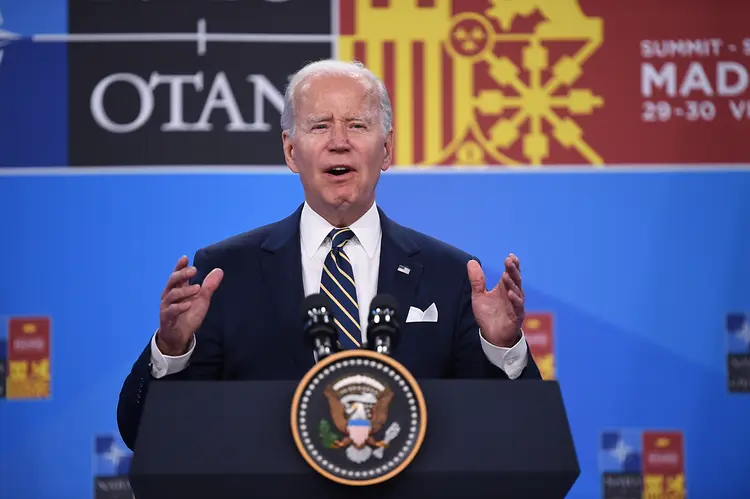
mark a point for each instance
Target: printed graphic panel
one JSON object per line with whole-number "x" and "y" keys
{"x": 646, "y": 464}
{"x": 538, "y": 330}
{"x": 112, "y": 460}
{"x": 28, "y": 365}
{"x": 558, "y": 81}
{"x": 620, "y": 464}
{"x": 213, "y": 96}
{"x": 3, "y": 357}
{"x": 663, "y": 465}
{"x": 738, "y": 352}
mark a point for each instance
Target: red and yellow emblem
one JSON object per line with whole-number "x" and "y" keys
{"x": 28, "y": 370}
{"x": 477, "y": 82}
{"x": 663, "y": 465}
{"x": 537, "y": 328}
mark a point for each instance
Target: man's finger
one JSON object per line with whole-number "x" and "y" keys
{"x": 176, "y": 309}
{"x": 182, "y": 293}
{"x": 517, "y": 302}
{"x": 476, "y": 277}
{"x": 179, "y": 278}
{"x": 511, "y": 286}
{"x": 181, "y": 263}
{"x": 513, "y": 271}
{"x": 516, "y": 261}
{"x": 211, "y": 283}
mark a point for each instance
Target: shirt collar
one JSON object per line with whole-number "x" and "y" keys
{"x": 314, "y": 229}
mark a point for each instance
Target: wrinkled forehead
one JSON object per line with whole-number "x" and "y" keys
{"x": 324, "y": 94}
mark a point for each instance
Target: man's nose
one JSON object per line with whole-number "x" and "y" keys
{"x": 338, "y": 139}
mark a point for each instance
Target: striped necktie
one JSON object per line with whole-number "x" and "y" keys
{"x": 337, "y": 281}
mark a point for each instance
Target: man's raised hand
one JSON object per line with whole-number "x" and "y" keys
{"x": 183, "y": 307}
{"x": 499, "y": 312}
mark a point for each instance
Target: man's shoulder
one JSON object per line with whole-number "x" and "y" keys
{"x": 252, "y": 240}
{"x": 442, "y": 262}
{"x": 248, "y": 240}
{"x": 433, "y": 248}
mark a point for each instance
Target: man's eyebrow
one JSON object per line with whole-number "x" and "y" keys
{"x": 317, "y": 118}
{"x": 367, "y": 118}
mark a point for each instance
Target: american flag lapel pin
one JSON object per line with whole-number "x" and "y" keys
{"x": 404, "y": 269}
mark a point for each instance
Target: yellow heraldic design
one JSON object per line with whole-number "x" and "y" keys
{"x": 546, "y": 365}
{"x": 565, "y": 19}
{"x": 662, "y": 442}
{"x": 484, "y": 124}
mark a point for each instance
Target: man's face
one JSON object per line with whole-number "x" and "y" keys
{"x": 339, "y": 148}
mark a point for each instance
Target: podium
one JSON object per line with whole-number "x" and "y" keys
{"x": 233, "y": 439}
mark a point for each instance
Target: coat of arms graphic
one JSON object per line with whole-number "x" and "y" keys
{"x": 358, "y": 417}
{"x": 359, "y": 409}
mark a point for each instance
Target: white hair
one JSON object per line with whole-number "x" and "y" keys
{"x": 335, "y": 67}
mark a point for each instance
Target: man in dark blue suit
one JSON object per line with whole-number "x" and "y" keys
{"x": 235, "y": 314}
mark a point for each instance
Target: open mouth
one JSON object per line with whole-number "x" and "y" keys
{"x": 338, "y": 171}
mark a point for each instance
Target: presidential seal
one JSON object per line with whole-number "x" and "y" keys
{"x": 358, "y": 417}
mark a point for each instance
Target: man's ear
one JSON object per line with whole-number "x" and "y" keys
{"x": 388, "y": 144}
{"x": 288, "y": 142}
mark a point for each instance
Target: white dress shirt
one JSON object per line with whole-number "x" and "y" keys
{"x": 363, "y": 249}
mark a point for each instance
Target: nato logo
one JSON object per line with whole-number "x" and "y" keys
{"x": 111, "y": 467}
{"x": 33, "y": 83}
{"x": 738, "y": 352}
{"x": 620, "y": 463}
{"x": 6, "y": 37}
{"x": 642, "y": 463}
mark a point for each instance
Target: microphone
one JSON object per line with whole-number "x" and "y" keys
{"x": 382, "y": 327}
{"x": 318, "y": 325}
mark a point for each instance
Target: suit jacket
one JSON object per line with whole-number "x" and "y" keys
{"x": 253, "y": 328}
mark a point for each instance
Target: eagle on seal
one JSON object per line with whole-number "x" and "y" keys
{"x": 359, "y": 410}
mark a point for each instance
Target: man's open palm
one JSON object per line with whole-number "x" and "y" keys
{"x": 500, "y": 311}
{"x": 184, "y": 306}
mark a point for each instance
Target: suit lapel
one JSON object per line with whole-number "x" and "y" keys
{"x": 282, "y": 277}
{"x": 400, "y": 267}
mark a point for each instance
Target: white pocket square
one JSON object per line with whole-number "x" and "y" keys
{"x": 416, "y": 315}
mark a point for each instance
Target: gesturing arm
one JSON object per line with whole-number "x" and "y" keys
{"x": 187, "y": 345}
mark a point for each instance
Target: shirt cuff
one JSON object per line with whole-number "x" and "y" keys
{"x": 511, "y": 360}
{"x": 163, "y": 365}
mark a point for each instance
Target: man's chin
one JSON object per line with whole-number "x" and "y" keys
{"x": 342, "y": 196}
{"x": 341, "y": 208}
{"x": 341, "y": 203}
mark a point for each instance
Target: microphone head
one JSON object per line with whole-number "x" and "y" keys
{"x": 383, "y": 327}
{"x": 384, "y": 301}
{"x": 315, "y": 301}
{"x": 318, "y": 325}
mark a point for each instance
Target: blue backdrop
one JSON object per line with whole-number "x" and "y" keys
{"x": 639, "y": 269}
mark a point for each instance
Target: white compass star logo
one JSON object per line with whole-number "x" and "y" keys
{"x": 621, "y": 451}
{"x": 5, "y": 37}
{"x": 115, "y": 454}
{"x": 744, "y": 333}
